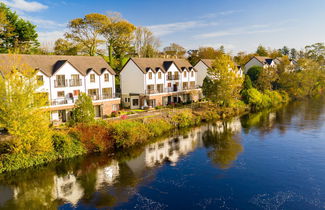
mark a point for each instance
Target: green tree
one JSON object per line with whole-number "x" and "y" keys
{"x": 22, "y": 108}
{"x": 84, "y": 111}
{"x": 118, "y": 34}
{"x": 226, "y": 82}
{"x": 285, "y": 50}
{"x": 16, "y": 34}
{"x": 261, "y": 51}
{"x": 86, "y": 32}
{"x": 316, "y": 52}
{"x": 254, "y": 73}
{"x": 293, "y": 53}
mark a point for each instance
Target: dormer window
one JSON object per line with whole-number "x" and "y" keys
{"x": 184, "y": 73}
{"x": 40, "y": 79}
{"x": 92, "y": 78}
{"x": 192, "y": 73}
{"x": 150, "y": 75}
{"x": 159, "y": 75}
{"x": 106, "y": 77}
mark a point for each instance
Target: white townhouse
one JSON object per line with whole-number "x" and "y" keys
{"x": 202, "y": 70}
{"x": 151, "y": 82}
{"x": 261, "y": 61}
{"x": 63, "y": 78}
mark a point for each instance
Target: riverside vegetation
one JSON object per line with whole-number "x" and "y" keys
{"x": 228, "y": 94}
{"x": 32, "y": 140}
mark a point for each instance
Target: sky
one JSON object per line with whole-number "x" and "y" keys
{"x": 238, "y": 25}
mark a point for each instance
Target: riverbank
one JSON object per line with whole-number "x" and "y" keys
{"x": 112, "y": 136}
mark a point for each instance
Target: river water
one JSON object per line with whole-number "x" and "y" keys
{"x": 270, "y": 160}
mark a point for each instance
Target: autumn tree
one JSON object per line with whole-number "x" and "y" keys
{"x": 65, "y": 47}
{"x": 118, "y": 34}
{"x": 22, "y": 108}
{"x": 316, "y": 52}
{"x": 266, "y": 78}
{"x": 16, "y": 34}
{"x": 86, "y": 32}
{"x": 242, "y": 58}
{"x": 261, "y": 51}
{"x": 175, "y": 50}
{"x": 225, "y": 81}
{"x": 145, "y": 43}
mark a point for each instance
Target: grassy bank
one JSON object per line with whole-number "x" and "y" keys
{"x": 106, "y": 136}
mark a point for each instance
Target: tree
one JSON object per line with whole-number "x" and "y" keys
{"x": 16, "y": 34}
{"x": 175, "y": 50}
{"x": 64, "y": 47}
{"x": 261, "y": 51}
{"x": 119, "y": 35}
{"x": 285, "y": 50}
{"x": 254, "y": 73}
{"x": 193, "y": 57}
{"x": 293, "y": 53}
{"x": 145, "y": 43}
{"x": 202, "y": 53}
{"x": 84, "y": 111}
{"x": 22, "y": 108}
{"x": 226, "y": 83}
{"x": 242, "y": 58}
{"x": 266, "y": 78}
{"x": 316, "y": 52}
{"x": 86, "y": 32}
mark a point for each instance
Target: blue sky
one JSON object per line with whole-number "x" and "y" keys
{"x": 239, "y": 25}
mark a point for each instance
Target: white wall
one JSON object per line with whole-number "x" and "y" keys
{"x": 202, "y": 70}
{"x": 251, "y": 63}
{"x": 66, "y": 70}
{"x": 132, "y": 79}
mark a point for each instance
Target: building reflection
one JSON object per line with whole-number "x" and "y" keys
{"x": 100, "y": 181}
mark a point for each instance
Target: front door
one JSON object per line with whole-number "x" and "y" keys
{"x": 62, "y": 115}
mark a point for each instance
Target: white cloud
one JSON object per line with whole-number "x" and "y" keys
{"x": 23, "y": 5}
{"x": 43, "y": 23}
{"x": 164, "y": 29}
{"x": 49, "y": 38}
{"x": 254, "y": 29}
{"x": 218, "y": 14}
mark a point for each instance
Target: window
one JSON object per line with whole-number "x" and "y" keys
{"x": 135, "y": 102}
{"x": 76, "y": 92}
{"x": 126, "y": 100}
{"x": 60, "y": 81}
{"x": 106, "y": 77}
{"x": 159, "y": 75}
{"x": 92, "y": 78}
{"x": 107, "y": 93}
{"x": 129, "y": 100}
{"x": 150, "y": 75}
{"x": 169, "y": 75}
{"x": 169, "y": 84}
{"x": 60, "y": 94}
{"x": 192, "y": 73}
{"x": 176, "y": 75}
{"x": 184, "y": 73}
{"x": 40, "y": 79}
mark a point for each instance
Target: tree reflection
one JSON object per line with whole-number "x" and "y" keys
{"x": 223, "y": 147}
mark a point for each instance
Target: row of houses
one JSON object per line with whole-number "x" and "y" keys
{"x": 144, "y": 82}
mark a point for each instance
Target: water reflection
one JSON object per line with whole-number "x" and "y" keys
{"x": 100, "y": 181}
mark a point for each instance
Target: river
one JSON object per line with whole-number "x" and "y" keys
{"x": 269, "y": 160}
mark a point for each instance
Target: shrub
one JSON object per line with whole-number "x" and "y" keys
{"x": 114, "y": 114}
{"x": 94, "y": 137}
{"x": 184, "y": 119}
{"x": 65, "y": 146}
{"x": 84, "y": 111}
{"x": 128, "y": 133}
{"x": 158, "y": 126}
{"x": 254, "y": 73}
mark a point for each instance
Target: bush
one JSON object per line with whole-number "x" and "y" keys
{"x": 254, "y": 73}
{"x": 158, "y": 126}
{"x": 184, "y": 119}
{"x": 94, "y": 137}
{"x": 65, "y": 146}
{"x": 128, "y": 133}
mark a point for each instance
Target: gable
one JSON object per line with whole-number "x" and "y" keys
{"x": 66, "y": 68}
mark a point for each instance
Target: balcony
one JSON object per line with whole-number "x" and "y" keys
{"x": 60, "y": 83}
{"x": 172, "y": 77}
{"x": 75, "y": 82}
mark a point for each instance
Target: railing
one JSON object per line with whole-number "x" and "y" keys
{"x": 59, "y": 102}
{"x": 71, "y": 101}
{"x": 75, "y": 82}
{"x": 60, "y": 83}
{"x": 172, "y": 77}
{"x": 171, "y": 90}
